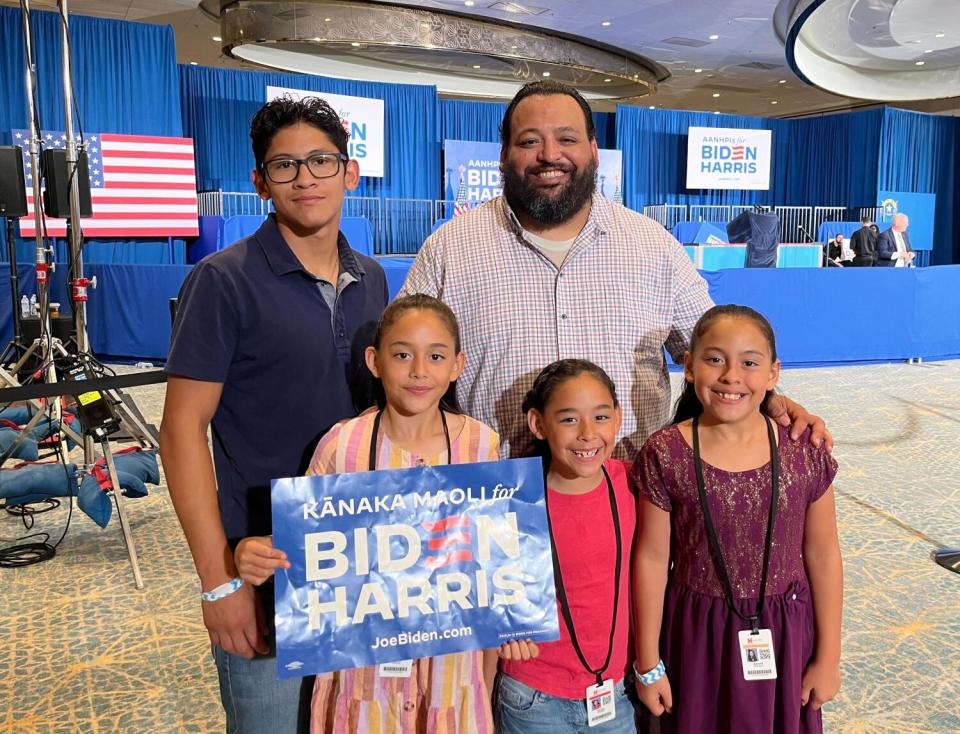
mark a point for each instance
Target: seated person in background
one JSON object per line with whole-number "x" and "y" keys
{"x": 836, "y": 252}
{"x": 864, "y": 244}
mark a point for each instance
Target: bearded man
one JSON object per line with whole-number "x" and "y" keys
{"x": 552, "y": 270}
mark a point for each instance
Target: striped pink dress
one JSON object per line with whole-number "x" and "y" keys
{"x": 443, "y": 695}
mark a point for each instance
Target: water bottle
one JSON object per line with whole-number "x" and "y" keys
{"x": 24, "y": 307}
{"x": 33, "y": 305}
{"x": 144, "y": 365}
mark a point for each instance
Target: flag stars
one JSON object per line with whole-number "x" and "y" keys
{"x": 19, "y": 136}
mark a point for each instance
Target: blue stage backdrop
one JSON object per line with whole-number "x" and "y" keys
{"x": 921, "y": 153}
{"x": 480, "y": 122}
{"x": 125, "y": 81}
{"x": 218, "y": 105}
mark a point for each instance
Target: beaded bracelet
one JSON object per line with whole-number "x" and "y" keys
{"x": 651, "y": 676}
{"x": 223, "y": 590}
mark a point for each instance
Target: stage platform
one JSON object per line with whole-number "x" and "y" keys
{"x": 821, "y": 315}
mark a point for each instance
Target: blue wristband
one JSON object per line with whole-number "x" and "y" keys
{"x": 223, "y": 590}
{"x": 651, "y": 676}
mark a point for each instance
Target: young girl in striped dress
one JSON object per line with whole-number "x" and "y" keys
{"x": 417, "y": 358}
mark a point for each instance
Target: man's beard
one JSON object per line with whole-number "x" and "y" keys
{"x": 546, "y": 208}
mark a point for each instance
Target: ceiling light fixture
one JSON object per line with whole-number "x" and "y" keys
{"x": 920, "y": 63}
{"x": 714, "y": 37}
{"x": 716, "y": 112}
{"x": 773, "y": 101}
{"x": 929, "y": 51}
{"x": 697, "y": 71}
{"x": 468, "y": 3}
{"x": 783, "y": 81}
{"x": 605, "y": 23}
{"x": 327, "y": 20}
{"x": 653, "y": 107}
{"x": 716, "y": 94}
{"x": 940, "y": 35}
{"x": 193, "y": 63}
{"x": 216, "y": 39}
{"x": 428, "y": 41}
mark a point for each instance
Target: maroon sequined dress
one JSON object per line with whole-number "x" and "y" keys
{"x": 699, "y": 641}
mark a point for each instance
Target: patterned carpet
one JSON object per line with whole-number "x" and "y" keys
{"x": 81, "y": 650}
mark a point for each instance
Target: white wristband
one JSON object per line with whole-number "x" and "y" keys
{"x": 222, "y": 591}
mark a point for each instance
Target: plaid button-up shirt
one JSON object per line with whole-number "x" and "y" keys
{"x": 626, "y": 290}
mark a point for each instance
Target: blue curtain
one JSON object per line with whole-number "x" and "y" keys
{"x": 480, "y": 122}
{"x": 824, "y": 161}
{"x": 219, "y": 103}
{"x": 124, "y": 81}
{"x": 921, "y": 153}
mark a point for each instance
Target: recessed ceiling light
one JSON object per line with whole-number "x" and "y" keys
{"x": 940, "y": 35}
{"x": 216, "y": 38}
{"x": 605, "y": 23}
{"x": 697, "y": 71}
{"x": 920, "y": 63}
{"x": 468, "y": 3}
{"x": 193, "y": 63}
{"x": 783, "y": 81}
{"x": 716, "y": 112}
{"x": 714, "y": 37}
{"x": 476, "y": 66}
{"x": 317, "y": 38}
{"x": 608, "y": 80}
{"x": 327, "y": 20}
{"x": 716, "y": 94}
{"x": 355, "y": 44}
{"x": 773, "y": 101}
{"x": 929, "y": 51}
{"x": 546, "y": 73}
{"x": 514, "y": 48}
{"x": 653, "y": 107}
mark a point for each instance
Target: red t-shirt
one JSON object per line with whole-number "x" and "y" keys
{"x": 586, "y": 548}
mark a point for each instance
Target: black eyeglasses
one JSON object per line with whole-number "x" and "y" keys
{"x": 320, "y": 165}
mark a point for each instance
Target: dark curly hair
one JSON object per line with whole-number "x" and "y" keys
{"x": 549, "y": 379}
{"x": 543, "y": 89}
{"x": 286, "y": 111}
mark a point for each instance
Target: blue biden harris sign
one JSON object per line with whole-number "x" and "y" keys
{"x": 409, "y": 563}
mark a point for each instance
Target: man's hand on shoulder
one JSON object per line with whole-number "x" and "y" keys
{"x": 789, "y": 414}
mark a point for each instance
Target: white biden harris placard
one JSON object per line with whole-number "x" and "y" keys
{"x": 727, "y": 158}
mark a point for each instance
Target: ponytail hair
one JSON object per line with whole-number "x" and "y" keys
{"x": 688, "y": 405}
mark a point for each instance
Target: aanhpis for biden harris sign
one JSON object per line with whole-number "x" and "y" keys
{"x": 727, "y": 158}
{"x": 362, "y": 118}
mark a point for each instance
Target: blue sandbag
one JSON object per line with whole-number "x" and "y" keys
{"x": 141, "y": 464}
{"x": 26, "y": 450}
{"x": 33, "y": 482}
{"x": 97, "y": 504}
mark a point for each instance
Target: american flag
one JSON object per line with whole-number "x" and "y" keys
{"x": 449, "y": 542}
{"x": 460, "y": 205}
{"x": 140, "y": 185}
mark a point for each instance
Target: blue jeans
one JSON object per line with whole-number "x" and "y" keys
{"x": 255, "y": 701}
{"x": 521, "y": 709}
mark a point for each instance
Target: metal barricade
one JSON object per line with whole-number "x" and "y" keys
{"x": 370, "y": 208}
{"x": 407, "y": 223}
{"x": 823, "y": 214}
{"x": 793, "y": 221}
{"x": 711, "y": 213}
{"x": 667, "y": 214}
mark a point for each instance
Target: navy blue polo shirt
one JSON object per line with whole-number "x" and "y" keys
{"x": 252, "y": 318}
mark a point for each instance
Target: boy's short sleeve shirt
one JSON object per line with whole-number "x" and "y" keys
{"x": 251, "y": 318}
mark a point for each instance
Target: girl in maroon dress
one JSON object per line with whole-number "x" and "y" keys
{"x": 738, "y": 571}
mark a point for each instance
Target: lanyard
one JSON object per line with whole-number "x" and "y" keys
{"x": 376, "y": 434}
{"x": 718, "y": 561}
{"x": 562, "y": 591}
